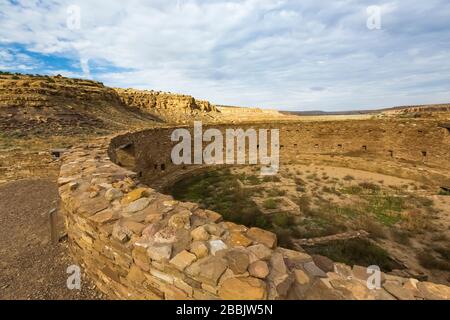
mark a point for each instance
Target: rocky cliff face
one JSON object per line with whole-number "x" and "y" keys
{"x": 169, "y": 107}
{"x": 52, "y": 105}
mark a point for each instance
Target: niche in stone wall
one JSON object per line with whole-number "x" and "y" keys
{"x": 364, "y": 148}
{"x": 424, "y": 154}
{"x": 163, "y": 167}
{"x": 391, "y": 153}
{"x": 125, "y": 156}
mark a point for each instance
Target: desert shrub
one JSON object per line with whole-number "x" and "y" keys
{"x": 270, "y": 203}
{"x": 355, "y": 252}
{"x": 427, "y": 260}
{"x": 282, "y": 220}
{"x": 348, "y": 178}
{"x": 271, "y": 179}
{"x": 304, "y": 203}
{"x": 369, "y": 186}
{"x": 276, "y": 193}
{"x": 401, "y": 237}
{"x": 352, "y": 190}
{"x": 375, "y": 230}
{"x": 300, "y": 188}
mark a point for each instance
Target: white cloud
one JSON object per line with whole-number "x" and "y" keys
{"x": 279, "y": 54}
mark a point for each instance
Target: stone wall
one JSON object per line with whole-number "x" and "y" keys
{"x": 137, "y": 243}
{"x": 395, "y": 144}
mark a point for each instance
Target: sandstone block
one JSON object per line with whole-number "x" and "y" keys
{"x": 183, "y": 259}
{"x": 159, "y": 252}
{"x": 200, "y": 234}
{"x": 264, "y": 237}
{"x": 237, "y": 239}
{"x": 259, "y": 269}
{"x": 199, "y": 248}
{"x": 243, "y": 289}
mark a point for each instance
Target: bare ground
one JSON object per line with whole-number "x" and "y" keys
{"x": 30, "y": 266}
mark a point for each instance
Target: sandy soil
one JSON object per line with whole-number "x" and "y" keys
{"x": 30, "y": 266}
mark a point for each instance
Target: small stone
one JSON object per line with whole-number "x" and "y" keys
{"x": 313, "y": 270}
{"x": 301, "y": 277}
{"x": 199, "y": 248}
{"x": 138, "y": 205}
{"x": 121, "y": 233}
{"x": 166, "y": 235}
{"x": 180, "y": 220}
{"x": 237, "y": 239}
{"x": 73, "y": 186}
{"x": 267, "y": 238}
{"x": 93, "y": 194}
{"x": 217, "y": 245}
{"x": 135, "y": 227}
{"x": 200, "y": 234}
{"x": 113, "y": 194}
{"x": 259, "y": 269}
{"x": 260, "y": 251}
{"x": 158, "y": 252}
{"x": 182, "y": 260}
{"x": 243, "y": 289}
{"x": 214, "y": 229}
{"x": 134, "y": 195}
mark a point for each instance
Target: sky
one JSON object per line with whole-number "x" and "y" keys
{"x": 279, "y": 54}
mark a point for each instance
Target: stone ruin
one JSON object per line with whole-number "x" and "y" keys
{"x": 135, "y": 242}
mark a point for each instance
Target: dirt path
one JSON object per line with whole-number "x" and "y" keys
{"x": 30, "y": 267}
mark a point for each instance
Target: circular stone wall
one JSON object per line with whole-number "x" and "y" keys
{"x": 137, "y": 243}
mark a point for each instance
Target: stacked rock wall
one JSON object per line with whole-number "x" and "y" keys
{"x": 137, "y": 243}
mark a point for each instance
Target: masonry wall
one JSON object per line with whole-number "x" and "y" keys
{"x": 136, "y": 243}
{"x": 422, "y": 143}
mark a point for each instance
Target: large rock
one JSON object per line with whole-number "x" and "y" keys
{"x": 243, "y": 289}
{"x": 216, "y": 246}
{"x": 432, "y": 291}
{"x": 267, "y": 238}
{"x": 238, "y": 260}
{"x": 260, "y": 251}
{"x": 207, "y": 269}
{"x": 237, "y": 239}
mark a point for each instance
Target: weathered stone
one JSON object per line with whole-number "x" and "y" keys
{"x": 135, "y": 227}
{"x": 243, "y": 289}
{"x": 208, "y": 269}
{"x": 323, "y": 263}
{"x": 180, "y": 220}
{"x": 182, "y": 260}
{"x": 432, "y": 291}
{"x": 216, "y": 245}
{"x": 260, "y": 251}
{"x": 352, "y": 289}
{"x": 267, "y": 238}
{"x": 398, "y": 291}
{"x": 133, "y": 195}
{"x": 238, "y": 260}
{"x": 159, "y": 252}
{"x": 135, "y": 275}
{"x": 214, "y": 229}
{"x": 121, "y": 233}
{"x": 113, "y": 194}
{"x": 259, "y": 269}
{"x": 294, "y": 259}
{"x": 343, "y": 270}
{"x": 199, "y": 248}
{"x": 166, "y": 235}
{"x": 73, "y": 186}
{"x": 301, "y": 277}
{"x": 237, "y": 239}
{"x": 104, "y": 217}
{"x": 200, "y": 234}
{"x": 138, "y": 205}
{"x": 313, "y": 270}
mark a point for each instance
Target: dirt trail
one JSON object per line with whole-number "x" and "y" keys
{"x": 30, "y": 267}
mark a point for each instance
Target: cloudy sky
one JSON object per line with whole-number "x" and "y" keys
{"x": 283, "y": 54}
